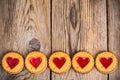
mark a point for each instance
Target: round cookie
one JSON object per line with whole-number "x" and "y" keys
{"x": 13, "y": 62}
{"x": 59, "y": 62}
{"x": 106, "y": 62}
{"x": 36, "y": 62}
{"x": 83, "y": 62}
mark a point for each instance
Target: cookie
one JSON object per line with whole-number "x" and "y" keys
{"x": 83, "y": 62}
{"x": 13, "y": 62}
{"x": 106, "y": 62}
{"x": 36, "y": 62}
{"x": 59, "y": 62}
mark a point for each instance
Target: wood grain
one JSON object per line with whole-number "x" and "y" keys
{"x": 114, "y": 33}
{"x": 24, "y": 26}
{"x": 79, "y": 25}
{"x": 76, "y": 25}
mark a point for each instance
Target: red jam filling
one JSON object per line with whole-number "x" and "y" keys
{"x": 12, "y": 62}
{"x": 106, "y": 61}
{"x": 36, "y": 61}
{"x": 82, "y": 61}
{"x": 59, "y": 62}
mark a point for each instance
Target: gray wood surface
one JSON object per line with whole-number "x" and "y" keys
{"x": 114, "y": 33}
{"x": 59, "y": 25}
{"x": 24, "y": 26}
{"x": 79, "y": 25}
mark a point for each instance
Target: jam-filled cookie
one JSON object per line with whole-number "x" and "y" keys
{"x": 13, "y": 62}
{"x": 83, "y": 62}
{"x": 59, "y": 62}
{"x": 106, "y": 62}
{"x": 36, "y": 62}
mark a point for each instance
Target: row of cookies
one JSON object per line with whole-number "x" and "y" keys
{"x": 59, "y": 62}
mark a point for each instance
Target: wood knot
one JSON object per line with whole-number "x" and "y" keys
{"x": 34, "y": 44}
{"x": 73, "y": 16}
{"x": 31, "y": 7}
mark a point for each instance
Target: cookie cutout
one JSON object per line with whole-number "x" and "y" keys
{"x": 83, "y": 62}
{"x": 13, "y": 63}
{"x": 106, "y": 62}
{"x": 36, "y": 62}
{"x": 59, "y": 62}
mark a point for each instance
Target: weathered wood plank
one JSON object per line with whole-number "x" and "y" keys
{"x": 24, "y": 26}
{"x": 79, "y": 25}
{"x": 114, "y": 33}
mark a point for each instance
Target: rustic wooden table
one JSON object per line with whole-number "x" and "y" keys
{"x": 60, "y": 25}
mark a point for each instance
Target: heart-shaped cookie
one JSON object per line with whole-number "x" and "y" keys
{"x": 82, "y": 61}
{"x": 59, "y": 62}
{"x": 106, "y": 61}
{"x": 12, "y": 62}
{"x": 36, "y": 61}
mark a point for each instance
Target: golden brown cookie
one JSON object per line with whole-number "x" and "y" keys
{"x": 59, "y": 62}
{"x": 106, "y": 62}
{"x": 36, "y": 62}
{"x": 83, "y": 62}
{"x": 13, "y": 62}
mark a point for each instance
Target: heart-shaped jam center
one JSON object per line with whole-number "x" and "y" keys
{"x": 36, "y": 61}
{"x": 106, "y": 61}
{"x": 82, "y": 61}
{"x": 12, "y": 62}
{"x": 59, "y": 62}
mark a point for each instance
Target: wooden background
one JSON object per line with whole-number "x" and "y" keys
{"x": 60, "y": 25}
